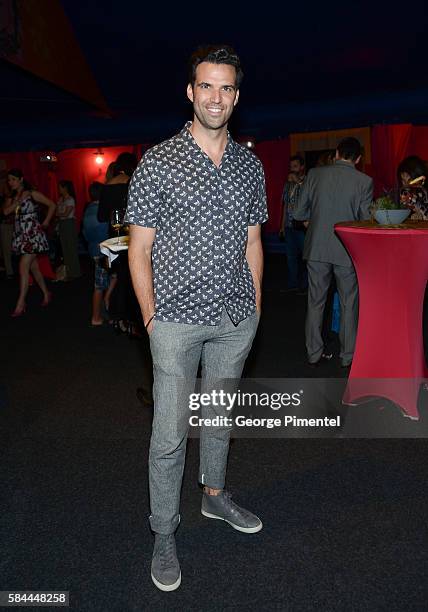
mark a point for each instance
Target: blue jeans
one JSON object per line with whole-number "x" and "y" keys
{"x": 297, "y": 275}
{"x": 176, "y": 350}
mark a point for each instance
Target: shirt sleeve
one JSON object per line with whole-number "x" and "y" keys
{"x": 143, "y": 196}
{"x": 258, "y": 212}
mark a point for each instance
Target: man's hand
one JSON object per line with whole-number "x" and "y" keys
{"x": 149, "y": 325}
{"x": 254, "y": 255}
{"x": 140, "y": 265}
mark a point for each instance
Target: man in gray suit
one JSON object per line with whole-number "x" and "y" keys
{"x": 332, "y": 194}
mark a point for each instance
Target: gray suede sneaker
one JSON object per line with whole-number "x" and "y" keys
{"x": 222, "y": 507}
{"x": 166, "y": 573}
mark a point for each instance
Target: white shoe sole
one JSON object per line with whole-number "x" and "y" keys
{"x": 242, "y": 529}
{"x": 167, "y": 587}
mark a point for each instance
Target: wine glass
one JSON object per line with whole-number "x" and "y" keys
{"x": 116, "y": 220}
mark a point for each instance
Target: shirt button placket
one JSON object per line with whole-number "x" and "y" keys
{"x": 218, "y": 236}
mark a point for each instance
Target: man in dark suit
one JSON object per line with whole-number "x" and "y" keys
{"x": 332, "y": 194}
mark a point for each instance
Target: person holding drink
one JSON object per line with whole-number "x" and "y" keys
{"x": 122, "y": 306}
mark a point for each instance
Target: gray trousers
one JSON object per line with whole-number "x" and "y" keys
{"x": 176, "y": 350}
{"x": 69, "y": 245}
{"x": 319, "y": 279}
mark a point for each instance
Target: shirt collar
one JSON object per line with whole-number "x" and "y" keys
{"x": 187, "y": 137}
{"x": 342, "y": 162}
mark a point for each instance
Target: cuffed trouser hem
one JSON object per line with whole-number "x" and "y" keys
{"x": 212, "y": 482}
{"x": 164, "y": 527}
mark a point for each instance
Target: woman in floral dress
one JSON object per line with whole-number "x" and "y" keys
{"x": 29, "y": 238}
{"x": 412, "y": 175}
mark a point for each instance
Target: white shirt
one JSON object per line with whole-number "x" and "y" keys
{"x": 63, "y": 203}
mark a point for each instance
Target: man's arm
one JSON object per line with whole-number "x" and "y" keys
{"x": 140, "y": 265}
{"x": 254, "y": 255}
{"x": 282, "y": 222}
{"x": 284, "y": 211}
{"x": 366, "y": 201}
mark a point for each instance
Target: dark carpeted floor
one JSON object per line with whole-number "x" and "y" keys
{"x": 345, "y": 520}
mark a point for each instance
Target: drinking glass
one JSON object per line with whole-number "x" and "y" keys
{"x": 116, "y": 220}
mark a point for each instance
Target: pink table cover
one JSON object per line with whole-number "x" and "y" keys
{"x": 392, "y": 271}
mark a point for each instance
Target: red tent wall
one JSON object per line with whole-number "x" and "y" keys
{"x": 274, "y": 156}
{"x": 418, "y": 142}
{"x": 37, "y": 173}
{"x": 390, "y": 144}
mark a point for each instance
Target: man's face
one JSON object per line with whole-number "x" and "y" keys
{"x": 296, "y": 167}
{"x": 214, "y": 94}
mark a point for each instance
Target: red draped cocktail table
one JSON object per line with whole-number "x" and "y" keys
{"x": 392, "y": 269}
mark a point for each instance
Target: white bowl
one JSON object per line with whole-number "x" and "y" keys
{"x": 391, "y": 217}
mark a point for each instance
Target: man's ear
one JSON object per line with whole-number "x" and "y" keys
{"x": 236, "y": 98}
{"x": 190, "y": 92}
{"x": 357, "y": 161}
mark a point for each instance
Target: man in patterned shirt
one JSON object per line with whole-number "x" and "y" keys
{"x": 293, "y": 231}
{"x": 196, "y": 203}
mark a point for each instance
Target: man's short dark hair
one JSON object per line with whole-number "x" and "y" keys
{"x": 95, "y": 190}
{"x": 349, "y": 148}
{"x": 298, "y": 158}
{"x": 215, "y": 54}
{"x": 125, "y": 162}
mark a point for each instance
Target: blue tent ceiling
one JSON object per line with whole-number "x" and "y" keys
{"x": 307, "y": 66}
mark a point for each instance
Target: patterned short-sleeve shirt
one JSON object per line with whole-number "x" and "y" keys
{"x": 201, "y": 213}
{"x": 290, "y": 195}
